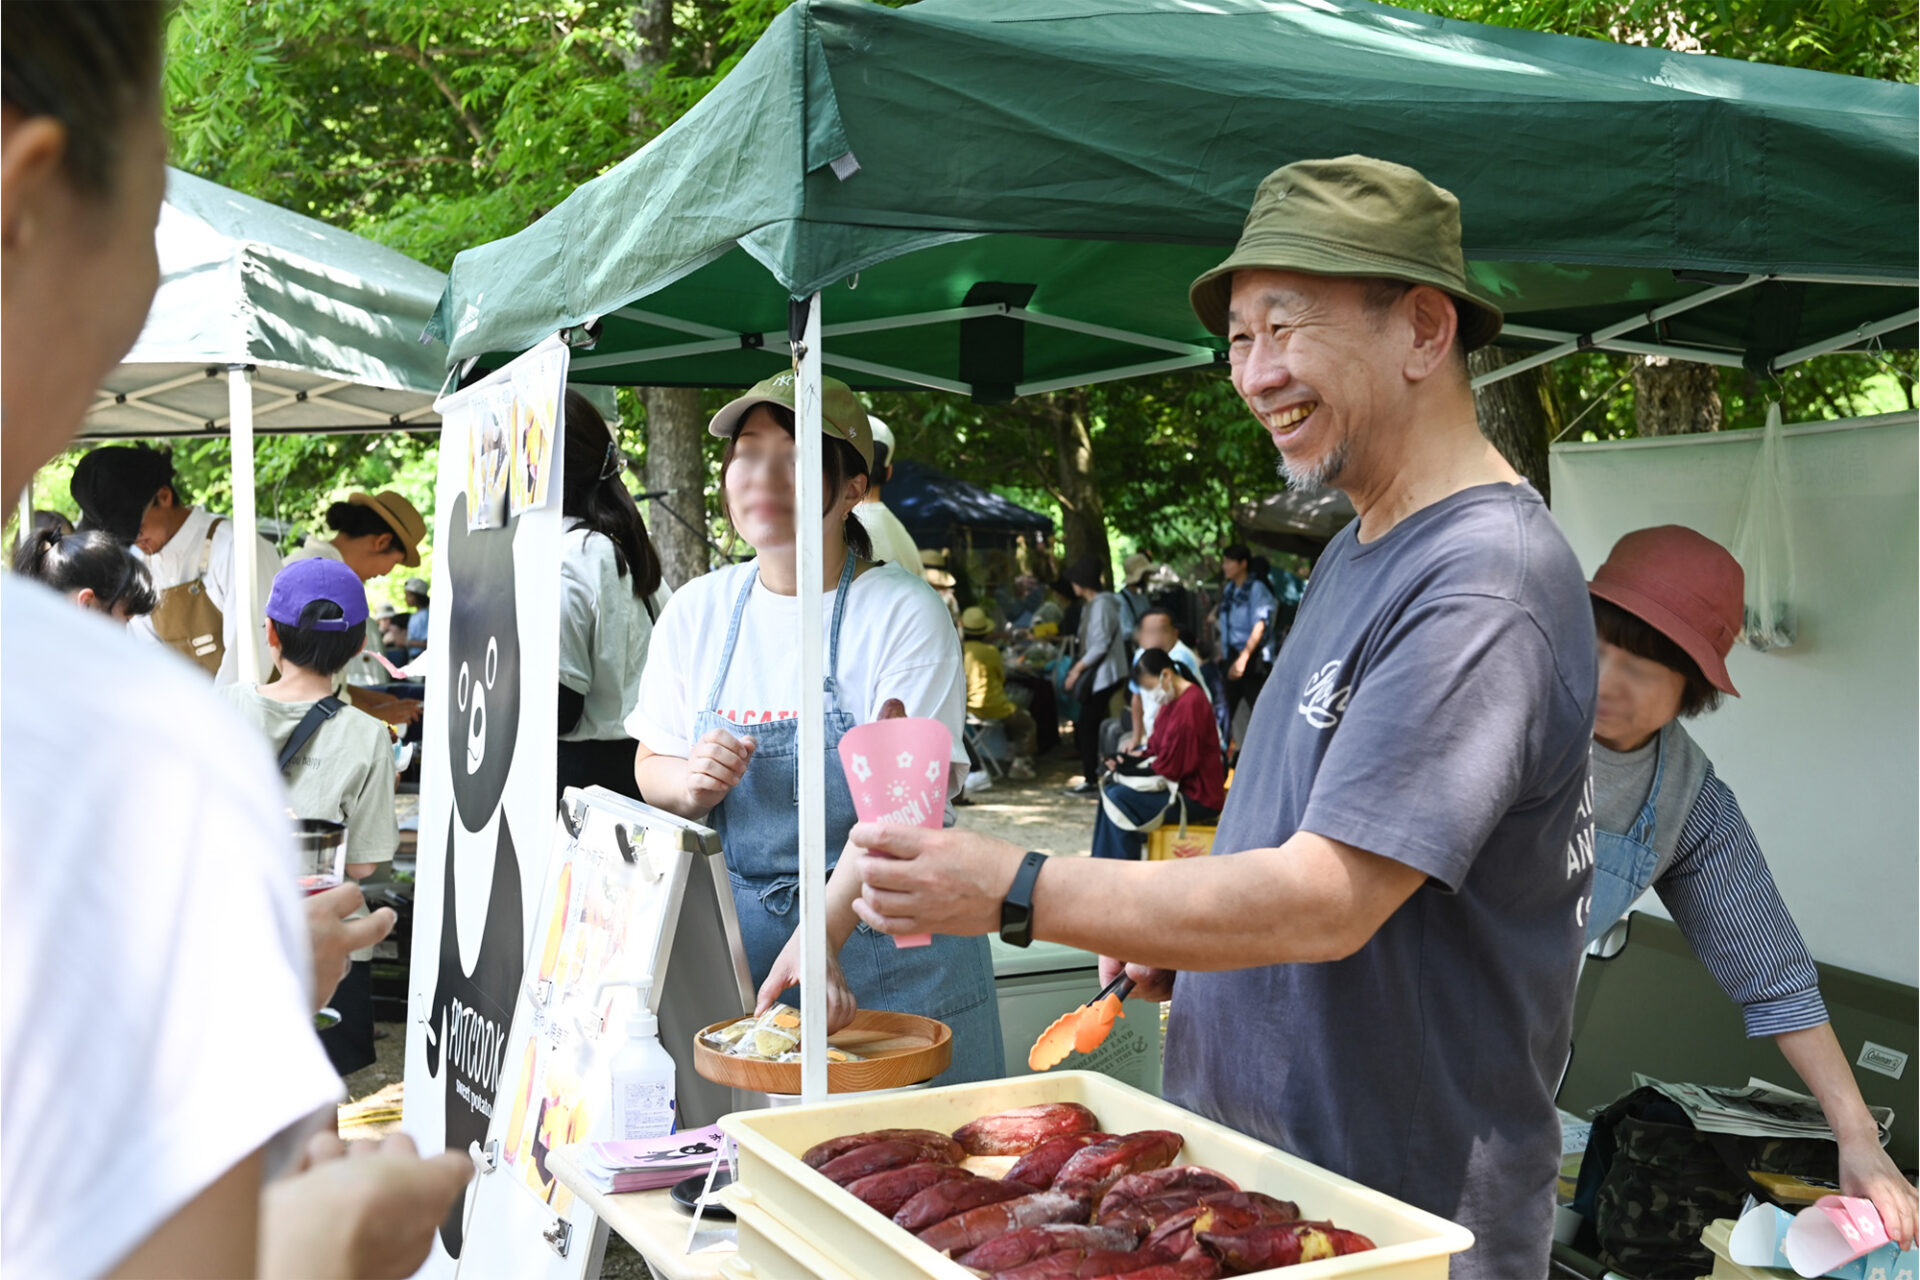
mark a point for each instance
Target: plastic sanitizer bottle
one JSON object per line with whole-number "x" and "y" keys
{"x": 643, "y": 1076}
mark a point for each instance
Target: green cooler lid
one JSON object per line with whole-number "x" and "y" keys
{"x": 1041, "y": 957}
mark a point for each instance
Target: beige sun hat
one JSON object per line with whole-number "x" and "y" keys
{"x": 1352, "y": 216}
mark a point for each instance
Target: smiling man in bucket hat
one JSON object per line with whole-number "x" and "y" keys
{"x": 1380, "y": 979}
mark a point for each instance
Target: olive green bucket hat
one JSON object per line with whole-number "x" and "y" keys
{"x": 841, "y": 413}
{"x": 1352, "y": 216}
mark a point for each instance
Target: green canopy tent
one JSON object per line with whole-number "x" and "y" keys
{"x": 1007, "y": 197}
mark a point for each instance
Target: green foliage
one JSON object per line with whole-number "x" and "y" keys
{"x": 433, "y": 125}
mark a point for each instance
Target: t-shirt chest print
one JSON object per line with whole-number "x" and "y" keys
{"x": 1324, "y": 699}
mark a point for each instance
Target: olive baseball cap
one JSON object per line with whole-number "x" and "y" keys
{"x": 841, "y": 413}
{"x": 1352, "y": 216}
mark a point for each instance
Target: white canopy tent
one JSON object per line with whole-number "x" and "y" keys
{"x": 267, "y": 321}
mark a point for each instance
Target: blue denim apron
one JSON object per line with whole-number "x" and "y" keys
{"x": 951, "y": 979}
{"x": 1623, "y": 865}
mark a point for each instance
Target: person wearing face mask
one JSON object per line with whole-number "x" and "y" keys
{"x": 94, "y": 570}
{"x": 716, "y": 718}
{"x": 1667, "y": 605}
{"x": 1179, "y": 776}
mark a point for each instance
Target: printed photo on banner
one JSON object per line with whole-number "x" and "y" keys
{"x": 536, "y": 411}
{"x": 490, "y": 457}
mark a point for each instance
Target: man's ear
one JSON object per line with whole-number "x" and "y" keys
{"x": 1435, "y": 325}
{"x": 31, "y": 148}
{"x": 165, "y": 498}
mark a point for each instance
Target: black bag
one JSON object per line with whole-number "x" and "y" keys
{"x": 1650, "y": 1183}
{"x": 317, "y": 714}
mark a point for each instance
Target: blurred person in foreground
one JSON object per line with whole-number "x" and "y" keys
{"x": 141, "y": 906}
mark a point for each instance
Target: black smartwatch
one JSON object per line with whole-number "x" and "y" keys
{"x": 1016, "y": 913}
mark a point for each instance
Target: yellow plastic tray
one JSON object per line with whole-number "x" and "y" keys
{"x": 768, "y": 1251}
{"x": 1413, "y": 1244}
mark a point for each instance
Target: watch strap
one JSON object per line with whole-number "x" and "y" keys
{"x": 1016, "y": 911}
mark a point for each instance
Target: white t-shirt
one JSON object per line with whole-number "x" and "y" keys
{"x": 604, "y": 633}
{"x": 155, "y": 1020}
{"x": 179, "y": 562}
{"x": 891, "y": 541}
{"x": 895, "y": 642}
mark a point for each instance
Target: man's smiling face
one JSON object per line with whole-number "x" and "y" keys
{"x": 1311, "y": 362}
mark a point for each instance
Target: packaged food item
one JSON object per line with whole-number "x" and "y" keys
{"x": 774, "y": 1036}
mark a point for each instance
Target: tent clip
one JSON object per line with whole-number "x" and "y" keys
{"x": 1585, "y": 342}
{"x": 752, "y": 341}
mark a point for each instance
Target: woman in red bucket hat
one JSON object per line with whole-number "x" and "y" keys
{"x": 1667, "y": 606}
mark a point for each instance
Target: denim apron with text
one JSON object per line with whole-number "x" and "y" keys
{"x": 1623, "y": 865}
{"x": 951, "y": 979}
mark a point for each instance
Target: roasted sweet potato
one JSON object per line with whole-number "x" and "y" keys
{"x": 1017, "y": 1248}
{"x": 1145, "y": 1199}
{"x": 1280, "y": 1244}
{"x": 1040, "y": 1166}
{"x": 1016, "y": 1132}
{"x": 1200, "y": 1267}
{"x": 1092, "y": 1171}
{"x": 875, "y": 1157}
{"x": 889, "y": 1189}
{"x": 948, "y": 1199}
{"x": 940, "y": 1147}
{"x": 970, "y": 1230}
{"x": 1074, "y": 1264}
{"x": 1224, "y": 1211}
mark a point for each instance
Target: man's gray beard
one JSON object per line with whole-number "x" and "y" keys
{"x": 1321, "y": 475}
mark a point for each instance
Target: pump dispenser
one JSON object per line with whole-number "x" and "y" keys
{"x": 642, "y": 1073}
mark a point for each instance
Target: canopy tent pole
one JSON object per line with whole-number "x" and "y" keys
{"x": 1847, "y": 339}
{"x": 1611, "y": 331}
{"x": 244, "y": 597}
{"x": 809, "y": 501}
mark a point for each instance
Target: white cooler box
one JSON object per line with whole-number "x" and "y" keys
{"x": 796, "y": 1223}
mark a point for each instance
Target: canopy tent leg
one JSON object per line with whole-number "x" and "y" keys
{"x": 246, "y": 546}
{"x": 810, "y": 565}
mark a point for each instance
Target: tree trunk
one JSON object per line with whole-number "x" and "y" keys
{"x": 677, "y": 463}
{"x": 1518, "y": 414}
{"x": 1080, "y": 510}
{"x": 1675, "y": 397}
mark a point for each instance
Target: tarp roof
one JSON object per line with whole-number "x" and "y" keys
{"x": 330, "y": 320}
{"x": 1037, "y": 181}
{"x": 936, "y": 508}
{"x": 1299, "y": 520}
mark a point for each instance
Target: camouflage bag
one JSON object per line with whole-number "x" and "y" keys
{"x": 1650, "y": 1183}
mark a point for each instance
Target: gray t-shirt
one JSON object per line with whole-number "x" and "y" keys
{"x": 1433, "y": 704}
{"x": 1623, "y": 779}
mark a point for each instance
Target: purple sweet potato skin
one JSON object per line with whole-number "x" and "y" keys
{"x": 1040, "y": 1166}
{"x": 940, "y": 1147}
{"x": 889, "y": 1189}
{"x": 975, "y": 1227}
{"x": 874, "y": 1158}
{"x": 1016, "y": 1132}
{"x": 1090, "y": 1172}
{"x": 950, "y": 1199}
{"x": 1017, "y": 1248}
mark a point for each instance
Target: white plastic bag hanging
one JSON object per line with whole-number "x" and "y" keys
{"x": 1763, "y": 544}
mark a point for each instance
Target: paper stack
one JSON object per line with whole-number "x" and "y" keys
{"x": 646, "y": 1164}
{"x": 1760, "y": 1110}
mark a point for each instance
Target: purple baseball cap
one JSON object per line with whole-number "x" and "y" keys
{"x": 305, "y": 581}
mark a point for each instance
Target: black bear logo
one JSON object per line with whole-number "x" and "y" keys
{"x": 470, "y": 1015}
{"x": 483, "y": 713}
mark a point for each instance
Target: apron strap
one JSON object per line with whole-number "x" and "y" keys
{"x": 833, "y": 641}
{"x": 1643, "y": 822}
{"x": 733, "y": 636}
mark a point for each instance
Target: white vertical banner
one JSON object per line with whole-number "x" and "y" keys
{"x": 487, "y": 784}
{"x": 810, "y": 559}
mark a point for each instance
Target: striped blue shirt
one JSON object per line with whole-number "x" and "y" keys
{"x": 1721, "y": 894}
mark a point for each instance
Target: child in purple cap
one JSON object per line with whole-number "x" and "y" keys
{"x": 316, "y": 622}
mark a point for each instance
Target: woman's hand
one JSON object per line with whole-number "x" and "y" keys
{"x": 785, "y": 973}
{"x": 714, "y": 767}
{"x": 1867, "y": 1171}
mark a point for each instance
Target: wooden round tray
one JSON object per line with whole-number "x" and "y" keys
{"x": 896, "y": 1050}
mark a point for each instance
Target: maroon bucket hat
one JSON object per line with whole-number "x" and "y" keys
{"x": 1684, "y": 585}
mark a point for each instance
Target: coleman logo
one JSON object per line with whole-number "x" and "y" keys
{"x": 1321, "y": 702}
